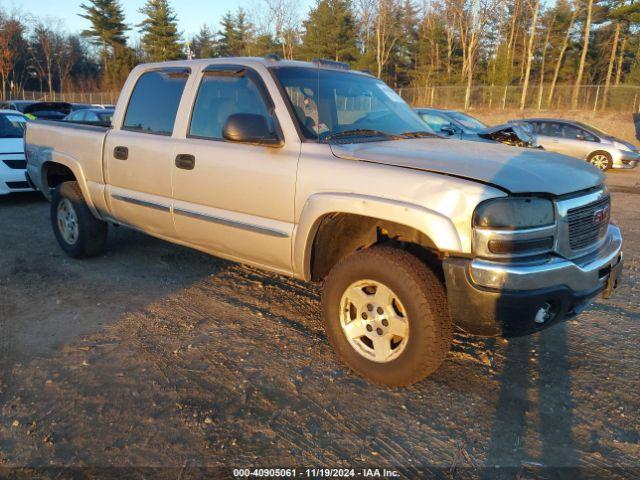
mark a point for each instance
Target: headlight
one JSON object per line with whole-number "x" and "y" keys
{"x": 621, "y": 146}
{"x": 514, "y": 213}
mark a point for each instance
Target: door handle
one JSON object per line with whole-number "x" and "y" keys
{"x": 185, "y": 161}
{"x": 121, "y": 153}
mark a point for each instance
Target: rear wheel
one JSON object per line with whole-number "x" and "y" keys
{"x": 601, "y": 160}
{"x": 386, "y": 315}
{"x": 79, "y": 233}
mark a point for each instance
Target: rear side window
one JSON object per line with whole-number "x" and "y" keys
{"x": 551, "y": 129}
{"x": 153, "y": 105}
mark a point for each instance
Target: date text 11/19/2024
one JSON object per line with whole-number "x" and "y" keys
{"x": 315, "y": 473}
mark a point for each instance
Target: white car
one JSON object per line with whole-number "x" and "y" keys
{"x": 12, "y": 161}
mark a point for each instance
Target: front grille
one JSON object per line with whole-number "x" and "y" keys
{"x": 16, "y": 164}
{"x": 587, "y": 224}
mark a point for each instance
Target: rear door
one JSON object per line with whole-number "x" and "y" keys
{"x": 550, "y": 136}
{"x": 139, "y": 153}
{"x": 234, "y": 199}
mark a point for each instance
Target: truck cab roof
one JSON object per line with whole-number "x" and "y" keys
{"x": 268, "y": 62}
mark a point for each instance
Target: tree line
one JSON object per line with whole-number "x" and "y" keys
{"x": 408, "y": 43}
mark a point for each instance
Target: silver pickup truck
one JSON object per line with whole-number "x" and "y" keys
{"x": 325, "y": 174}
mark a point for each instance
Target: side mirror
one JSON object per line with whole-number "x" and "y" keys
{"x": 579, "y": 137}
{"x": 448, "y": 130}
{"x": 250, "y": 128}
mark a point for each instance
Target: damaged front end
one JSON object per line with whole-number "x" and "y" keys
{"x": 517, "y": 134}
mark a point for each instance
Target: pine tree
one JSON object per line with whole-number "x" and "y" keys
{"x": 203, "y": 44}
{"x": 160, "y": 37}
{"x": 107, "y": 26}
{"x": 330, "y": 31}
{"x": 408, "y": 45}
{"x": 226, "y": 35}
{"x": 235, "y": 35}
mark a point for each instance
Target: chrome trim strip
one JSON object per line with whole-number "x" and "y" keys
{"x": 580, "y": 275}
{"x": 142, "y": 203}
{"x": 231, "y": 223}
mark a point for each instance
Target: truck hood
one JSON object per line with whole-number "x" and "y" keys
{"x": 516, "y": 170}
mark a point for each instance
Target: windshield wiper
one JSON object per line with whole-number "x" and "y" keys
{"x": 361, "y": 132}
{"x": 419, "y": 134}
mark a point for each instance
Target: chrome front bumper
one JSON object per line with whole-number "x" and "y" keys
{"x": 585, "y": 274}
{"x": 511, "y": 299}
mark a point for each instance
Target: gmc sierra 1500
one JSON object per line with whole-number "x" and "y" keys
{"x": 326, "y": 174}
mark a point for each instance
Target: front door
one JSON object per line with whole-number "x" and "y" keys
{"x": 231, "y": 199}
{"x": 139, "y": 155}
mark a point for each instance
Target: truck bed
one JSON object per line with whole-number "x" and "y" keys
{"x": 80, "y": 147}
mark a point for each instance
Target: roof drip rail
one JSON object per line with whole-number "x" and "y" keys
{"x": 225, "y": 70}
{"x": 321, "y": 62}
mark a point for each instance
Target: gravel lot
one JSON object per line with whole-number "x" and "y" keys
{"x": 160, "y": 357}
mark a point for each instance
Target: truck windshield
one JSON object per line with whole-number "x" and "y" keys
{"x": 12, "y": 126}
{"x": 333, "y": 105}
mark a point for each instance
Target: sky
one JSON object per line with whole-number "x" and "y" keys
{"x": 192, "y": 14}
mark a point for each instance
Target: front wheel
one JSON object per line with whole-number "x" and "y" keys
{"x": 601, "y": 160}
{"x": 79, "y": 233}
{"x": 386, "y": 315}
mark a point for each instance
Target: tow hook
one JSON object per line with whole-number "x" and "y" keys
{"x": 543, "y": 314}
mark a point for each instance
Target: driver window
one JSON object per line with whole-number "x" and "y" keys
{"x": 220, "y": 96}
{"x": 588, "y": 136}
{"x": 436, "y": 122}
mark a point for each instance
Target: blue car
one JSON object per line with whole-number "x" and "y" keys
{"x": 454, "y": 124}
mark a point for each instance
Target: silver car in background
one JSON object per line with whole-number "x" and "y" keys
{"x": 585, "y": 142}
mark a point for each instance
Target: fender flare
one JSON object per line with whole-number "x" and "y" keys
{"x": 434, "y": 225}
{"x": 77, "y": 171}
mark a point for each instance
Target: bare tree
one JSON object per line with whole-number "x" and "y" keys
{"x": 366, "y": 13}
{"x": 623, "y": 47}
{"x": 46, "y": 40}
{"x": 474, "y": 19}
{"x": 583, "y": 55}
{"x": 387, "y": 32}
{"x": 612, "y": 59}
{"x": 543, "y": 61}
{"x": 284, "y": 19}
{"x": 67, "y": 54}
{"x": 563, "y": 49}
{"x": 535, "y": 9}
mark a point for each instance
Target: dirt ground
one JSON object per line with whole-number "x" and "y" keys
{"x": 175, "y": 364}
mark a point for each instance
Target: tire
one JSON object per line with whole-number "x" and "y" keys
{"x": 68, "y": 209}
{"x": 601, "y": 160}
{"x": 418, "y": 294}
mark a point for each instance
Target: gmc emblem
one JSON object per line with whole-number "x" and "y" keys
{"x": 600, "y": 215}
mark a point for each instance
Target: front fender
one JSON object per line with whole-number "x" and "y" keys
{"x": 434, "y": 225}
